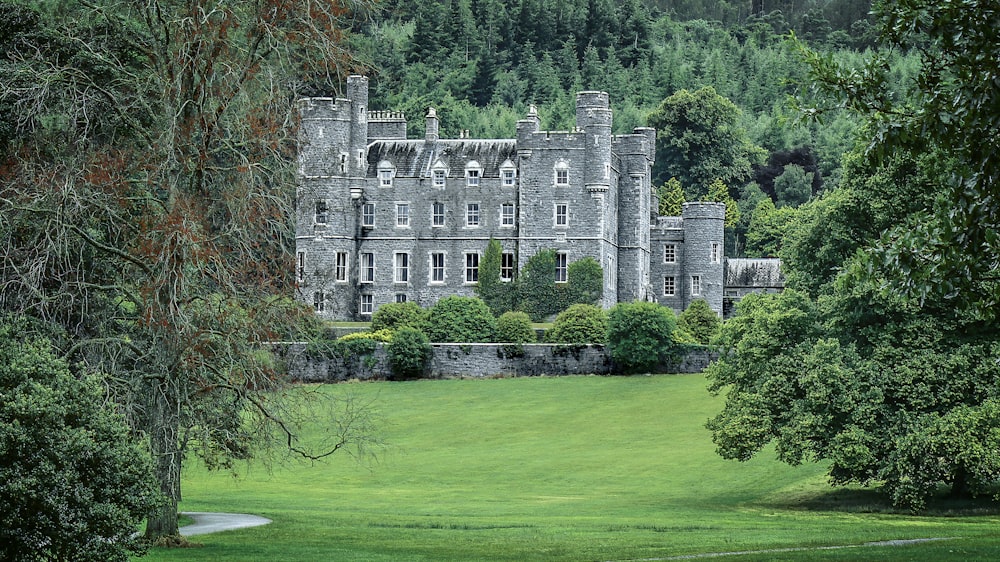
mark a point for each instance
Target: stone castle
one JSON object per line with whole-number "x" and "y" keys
{"x": 382, "y": 218}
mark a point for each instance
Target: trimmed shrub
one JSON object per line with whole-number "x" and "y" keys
{"x": 585, "y": 281}
{"x": 515, "y": 327}
{"x": 395, "y": 315}
{"x": 640, "y": 335}
{"x": 409, "y": 352}
{"x": 700, "y": 321}
{"x": 461, "y": 320}
{"x": 580, "y": 323}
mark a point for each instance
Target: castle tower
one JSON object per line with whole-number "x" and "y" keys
{"x": 702, "y": 259}
{"x": 593, "y": 117}
{"x": 634, "y": 209}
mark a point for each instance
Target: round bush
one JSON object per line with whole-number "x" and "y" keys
{"x": 640, "y": 335}
{"x": 515, "y": 327}
{"x": 580, "y": 323}
{"x": 409, "y": 352}
{"x": 461, "y": 320}
{"x": 395, "y": 315}
{"x": 700, "y": 321}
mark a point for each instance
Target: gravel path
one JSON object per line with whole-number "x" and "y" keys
{"x": 205, "y": 522}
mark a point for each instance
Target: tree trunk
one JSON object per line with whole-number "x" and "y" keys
{"x": 960, "y": 485}
{"x": 162, "y": 419}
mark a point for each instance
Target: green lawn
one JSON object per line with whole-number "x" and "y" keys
{"x": 570, "y": 468}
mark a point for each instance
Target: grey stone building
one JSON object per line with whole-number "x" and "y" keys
{"x": 382, "y": 218}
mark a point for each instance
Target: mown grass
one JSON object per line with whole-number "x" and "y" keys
{"x": 569, "y": 468}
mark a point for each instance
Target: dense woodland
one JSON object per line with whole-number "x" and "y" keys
{"x": 147, "y": 192}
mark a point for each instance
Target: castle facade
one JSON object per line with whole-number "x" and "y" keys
{"x": 382, "y": 218}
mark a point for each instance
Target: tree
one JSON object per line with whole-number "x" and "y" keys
{"x": 146, "y": 196}
{"x": 699, "y": 320}
{"x": 671, "y": 196}
{"x": 793, "y": 187}
{"x": 698, "y": 140}
{"x": 461, "y": 320}
{"x": 766, "y": 233}
{"x": 580, "y": 323}
{"x": 719, "y": 193}
{"x": 497, "y": 294}
{"x": 953, "y": 106}
{"x": 536, "y": 286}
{"x": 73, "y": 484}
{"x": 584, "y": 282}
{"x": 640, "y": 335}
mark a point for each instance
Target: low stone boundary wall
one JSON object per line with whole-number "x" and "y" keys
{"x": 480, "y": 360}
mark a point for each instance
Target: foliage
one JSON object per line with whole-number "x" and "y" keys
{"x": 146, "y": 204}
{"x": 498, "y": 295}
{"x": 515, "y": 327}
{"x": 74, "y": 485}
{"x": 953, "y": 106}
{"x": 580, "y": 323}
{"x": 536, "y": 286}
{"x": 640, "y": 335}
{"x": 793, "y": 187}
{"x": 719, "y": 193}
{"x": 766, "y": 232}
{"x": 409, "y": 352}
{"x": 395, "y": 315}
{"x": 699, "y": 141}
{"x": 699, "y": 320}
{"x": 584, "y": 282}
{"x": 671, "y": 196}
{"x": 461, "y": 320}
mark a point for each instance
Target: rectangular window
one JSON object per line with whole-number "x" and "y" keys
{"x": 437, "y": 215}
{"x": 472, "y": 268}
{"x": 402, "y": 214}
{"x": 300, "y": 267}
{"x": 322, "y": 212}
{"x": 319, "y": 301}
{"x": 400, "y": 297}
{"x": 508, "y": 177}
{"x": 367, "y": 305}
{"x": 562, "y": 215}
{"x": 472, "y": 215}
{"x": 562, "y": 177}
{"x": 472, "y": 178}
{"x": 438, "y": 176}
{"x": 437, "y": 267}
{"x": 670, "y": 253}
{"x": 368, "y": 215}
{"x": 669, "y": 286}
{"x": 716, "y": 253}
{"x": 507, "y": 214}
{"x": 402, "y": 268}
{"x": 367, "y": 267}
{"x": 385, "y": 178}
{"x": 506, "y": 266}
{"x": 343, "y": 163}
{"x": 340, "y": 271}
{"x": 695, "y": 285}
{"x": 561, "y": 268}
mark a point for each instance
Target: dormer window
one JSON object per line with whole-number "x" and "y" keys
{"x": 508, "y": 174}
{"x": 438, "y": 175}
{"x": 473, "y": 173}
{"x": 386, "y": 172}
{"x": 562, "y": 174}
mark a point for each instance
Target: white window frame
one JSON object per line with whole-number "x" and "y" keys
{"x": 368, "y": 215}
{"x": 695, "y": 285}
{"x": 560, "y": 175}
{"x": 508, "y": 177}
{"x": 716, "y": 252}
{"x": 473, "y": 174}
{"x": 300, "y": 266}
{"x": 507, "y": 218}
{"x": 366, "y": 305}
{"x": 560, "y": 215}
{"x": 402, "y": 215}
{"x": 438, "y": 271}
{"x": 437, "y": 219}
{"x": 562, "y": 267}
{"x": 670, "y": 253}
{"x": 322, "y": 212}
{"x": 401, "y": 267}
{"x": 508, "y": 265}
{"x": 439, "y": 177}
{"x": 669, "y": 282}
{"x": 473, "y": 217}
{"x": 400, "y": 297}
{"x": 341, "y": 267}
{"x": 386, "y": 173}
{"x": 319, "y": 301}
{"x": 471, "y": 268}
{"x": 367, "y": 267}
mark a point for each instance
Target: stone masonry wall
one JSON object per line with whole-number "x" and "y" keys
{"x": 480, "y": 360}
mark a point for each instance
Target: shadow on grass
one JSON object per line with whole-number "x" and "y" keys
{"x": 873, "y": 500}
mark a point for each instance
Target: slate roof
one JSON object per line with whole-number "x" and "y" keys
{"x": 414, "y": 158}
{"x": 754, "y": 272}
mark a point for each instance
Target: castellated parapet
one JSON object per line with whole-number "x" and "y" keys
{"x": 383, "y": 218}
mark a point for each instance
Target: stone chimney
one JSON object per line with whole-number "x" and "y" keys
{"x": 431, "y": 134}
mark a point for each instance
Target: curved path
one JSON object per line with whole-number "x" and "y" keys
{"x": 207, "y": 522}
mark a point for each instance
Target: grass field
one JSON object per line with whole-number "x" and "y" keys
{"x": 569, "y": 468}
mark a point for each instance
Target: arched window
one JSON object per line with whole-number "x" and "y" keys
{"x": 561, "y": 174}
{"x": 386, "y": 171}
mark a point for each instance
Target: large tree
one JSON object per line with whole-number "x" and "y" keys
{"x": 146, "y": 187}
